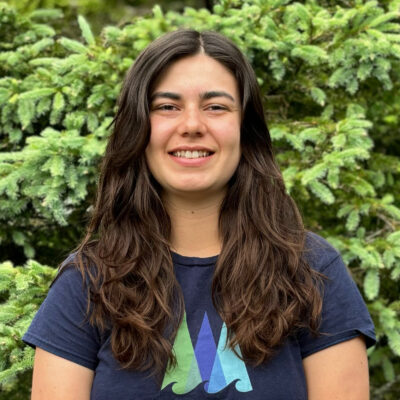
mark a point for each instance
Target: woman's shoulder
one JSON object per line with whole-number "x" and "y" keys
{"x": 318, "y": 252}
{"x": 61, "y": 325}
{"x": 76, "y": 269}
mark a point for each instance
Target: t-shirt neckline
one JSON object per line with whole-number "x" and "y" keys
{"x": 193, "y": 261}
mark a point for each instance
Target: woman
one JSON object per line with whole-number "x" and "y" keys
{"x": 199, "y": 279}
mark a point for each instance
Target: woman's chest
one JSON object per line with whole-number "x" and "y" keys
{"x": 206, "y": 369}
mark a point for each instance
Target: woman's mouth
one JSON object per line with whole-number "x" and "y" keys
{"x": 191, "y": 154}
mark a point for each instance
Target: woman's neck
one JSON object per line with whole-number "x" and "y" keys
{"x": 194, "y": 225}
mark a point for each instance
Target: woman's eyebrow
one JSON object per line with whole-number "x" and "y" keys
{"x": 216, "y": 93}
{"x": 203, "y": 96}
{"x": 168, "y": 95}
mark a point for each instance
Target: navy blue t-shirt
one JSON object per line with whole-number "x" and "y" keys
{"x": 207, "y": 369}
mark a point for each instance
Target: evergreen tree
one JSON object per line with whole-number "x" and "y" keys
{"x": 329, "y": 74}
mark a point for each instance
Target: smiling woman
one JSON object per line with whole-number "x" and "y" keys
{"x": 195, "y": 108}
{"x": 196, "y": 276}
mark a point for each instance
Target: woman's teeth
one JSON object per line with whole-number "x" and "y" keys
{"x": 191, "y": 154}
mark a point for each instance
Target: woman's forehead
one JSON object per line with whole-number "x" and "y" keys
{"x": 200, "y": 73}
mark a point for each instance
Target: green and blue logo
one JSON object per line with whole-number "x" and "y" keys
{"x": 216, "y": 366}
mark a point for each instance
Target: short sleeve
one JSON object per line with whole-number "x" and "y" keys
{"x": 344, "y": 313}
{"x": 60, "y": 326}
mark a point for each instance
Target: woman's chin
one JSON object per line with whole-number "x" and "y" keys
{"x": 194, "y": 191}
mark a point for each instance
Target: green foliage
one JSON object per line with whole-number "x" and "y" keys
{"x": 22, "y": 290}
{"x": 329, "y": 75}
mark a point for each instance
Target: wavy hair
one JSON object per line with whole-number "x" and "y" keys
{"x": 263, "y": 287}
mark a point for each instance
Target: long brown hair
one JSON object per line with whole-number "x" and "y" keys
{"x": 263, "y": 288}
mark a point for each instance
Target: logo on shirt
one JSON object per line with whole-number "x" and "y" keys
{"x": 217, "y": 366}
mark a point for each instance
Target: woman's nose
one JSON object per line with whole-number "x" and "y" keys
{"x": 192, "y": 122}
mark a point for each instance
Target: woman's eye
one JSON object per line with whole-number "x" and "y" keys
{"x": 165, "y": 107}
{"x": 216, "y": 107}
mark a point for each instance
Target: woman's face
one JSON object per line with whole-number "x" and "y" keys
{"x": 195, "y": 127}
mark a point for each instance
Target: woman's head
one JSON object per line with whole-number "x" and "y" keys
{"x": 133, "y": 123}
{"x": 194, "y": 146}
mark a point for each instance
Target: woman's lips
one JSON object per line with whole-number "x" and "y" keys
{"x": 191, "y": 162}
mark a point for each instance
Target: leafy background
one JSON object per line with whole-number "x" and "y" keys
{"x": 329, "y": 74}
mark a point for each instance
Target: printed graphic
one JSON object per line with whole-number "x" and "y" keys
{"x": 216, "y": 366}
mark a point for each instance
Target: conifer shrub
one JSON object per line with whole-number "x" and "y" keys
{"x": 329, "y": 74}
